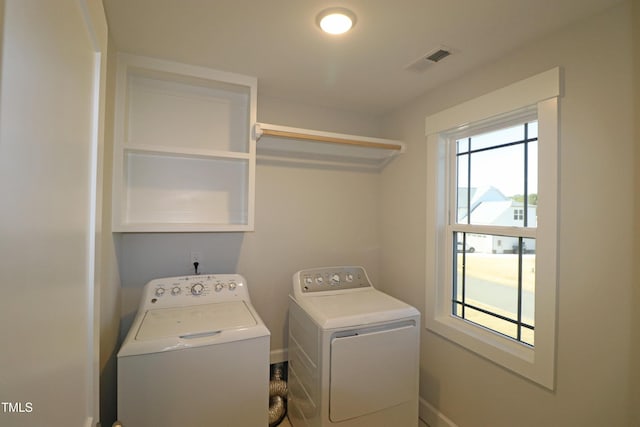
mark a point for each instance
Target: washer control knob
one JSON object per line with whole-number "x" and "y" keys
{"x": 232, "y": 286}
{"x": 319, "y": 279}
{"x": 219, "y": 287}
{"x": 335, "y": 279}
{"x": 159, "y": 292}
{"x": 308, "y": 280}
{"x": 197, "y": 288}
{"x": 348, "y": 277}
{"x": 175, "y": 290}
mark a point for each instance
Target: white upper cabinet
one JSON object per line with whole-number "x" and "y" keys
{"x": 184, "y": 157}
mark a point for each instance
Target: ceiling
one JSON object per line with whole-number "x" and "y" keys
{"x": 364, "y": 70}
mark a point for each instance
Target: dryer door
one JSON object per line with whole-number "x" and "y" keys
{"x": 373, "y": 369}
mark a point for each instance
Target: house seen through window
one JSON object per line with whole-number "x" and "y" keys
{"x": 492, "y": 225}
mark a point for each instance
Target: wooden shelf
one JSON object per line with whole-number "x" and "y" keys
{"x": 324, "y": 148}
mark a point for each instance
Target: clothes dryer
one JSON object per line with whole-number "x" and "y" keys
{"x": 197, "y": 354}
{"x": 353, "y": 352}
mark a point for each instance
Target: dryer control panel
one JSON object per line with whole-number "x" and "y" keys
{"x": 330, "y": 279}
{"x": 204, "y": 288}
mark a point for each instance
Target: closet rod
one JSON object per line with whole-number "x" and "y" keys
{"x": 331, "y": 139}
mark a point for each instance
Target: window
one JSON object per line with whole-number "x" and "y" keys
{"x": 518, "y": 214}
{"x": 493, "y": 175}
{"x": 492, "y": 225}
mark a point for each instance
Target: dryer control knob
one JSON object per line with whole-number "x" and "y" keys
{"x": 159, "y": 292}
{"x": 175, "y": 290}
{"x": 219, "y": 287}
{"x": 197, "y": 288}
{"x": 335, "y": 279}
{"x": 232, "y": 286}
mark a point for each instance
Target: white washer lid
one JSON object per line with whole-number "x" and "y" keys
{"x": 356, "y": 307}
{"x": 181, "y": 322}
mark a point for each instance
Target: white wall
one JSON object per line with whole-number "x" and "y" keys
{"x": 595, "y": 242}
{"x": 305, "y": 217}
{"x": 51, "y": 115}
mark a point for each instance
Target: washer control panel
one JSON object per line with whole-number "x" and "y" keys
{"x": 205, "y": 288}
{"x": 330, "y": 279}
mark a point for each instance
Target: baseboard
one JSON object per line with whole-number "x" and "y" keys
{"x": 279, "y": 356}
{"x": 434, "y": 418}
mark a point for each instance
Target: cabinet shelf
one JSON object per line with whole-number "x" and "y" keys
{"x": 186, "y": 152}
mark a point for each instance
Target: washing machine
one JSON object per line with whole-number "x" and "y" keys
{"x": 353, "y": 352}
{"x": 197, "y": 355}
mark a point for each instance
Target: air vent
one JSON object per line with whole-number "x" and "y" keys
{"x": 428, "y": 59}
{"x": 438, "y": 55}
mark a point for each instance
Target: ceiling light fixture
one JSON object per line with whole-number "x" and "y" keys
{"x": 336, "y": 20}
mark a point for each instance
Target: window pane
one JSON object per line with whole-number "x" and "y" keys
{"x": 457, "y": 309}
{"x": 494, "y": 323}
{"x": 458, "y": 281}
{"x": 532, "y": 183}
{"x": 491, "y": 282}
{"x": 499, "y": 137}
{"x": 458, "y": 272}
{"x": 462, "y": 190}
{"x": 527, "y": 336}
{"x": 528, "y": 281}
{"x": 495, "y": 290}
{"x": 496, "y": 176}
{"x": 462, "y": 145}
{"x": 532, "y": 131}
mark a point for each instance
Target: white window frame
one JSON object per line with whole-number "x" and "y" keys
{"x": 541, "y": 93}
